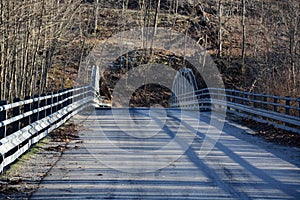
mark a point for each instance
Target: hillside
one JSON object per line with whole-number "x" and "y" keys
{"x": 263, "y": 69}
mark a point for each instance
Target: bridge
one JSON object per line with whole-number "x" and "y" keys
{"x": 159, "y": 153}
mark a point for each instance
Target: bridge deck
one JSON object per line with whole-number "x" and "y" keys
{"x": 119, "y": 159}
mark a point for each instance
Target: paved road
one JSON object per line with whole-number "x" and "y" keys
{"x": 158, "y": 154}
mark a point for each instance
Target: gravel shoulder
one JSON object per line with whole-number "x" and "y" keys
{"x": 22, "y": 178}
{"x": 269, "y": 132}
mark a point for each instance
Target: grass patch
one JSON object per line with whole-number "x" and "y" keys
{"x": 14, "y": 168}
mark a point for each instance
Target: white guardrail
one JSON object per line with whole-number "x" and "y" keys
{"x": 281, "y": 112}
{"x": 24, "y": 123}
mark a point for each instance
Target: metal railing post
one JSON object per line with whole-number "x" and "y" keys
{"x": 236, "y": 100}
{"x": 287, "y": 103}
{"x": 299, "y": 107}
{"x": 34, "y": 105}
{"x": 42, "y": 103}
{"x": 265, "y": 105}
{"x": 59, "y": 106}
{"x": 54, "y": 100}
{"x": 275, "y": 101}
{"x": 208, "y": 96}
{"x": 246, "y": 99}
{"x": 69, "y": 96}
{"x": 228, "y": 99}
{"x": 3, "y": 116}
{"x": 254, "y": 101}
{"x": 49, "y": 103}
{"x": 16, "y": 112}
{"x": 27, "y": 108}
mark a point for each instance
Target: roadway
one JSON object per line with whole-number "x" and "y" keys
{"x": 168, "y": 154}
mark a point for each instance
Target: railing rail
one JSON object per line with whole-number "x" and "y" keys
{"x": 23, "y": 123}
{"x": 282, "y": 112}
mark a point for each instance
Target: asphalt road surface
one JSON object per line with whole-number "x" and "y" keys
{"x": 168, "y": 154}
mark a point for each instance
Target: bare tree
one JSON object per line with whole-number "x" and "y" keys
{"x": 291, "y": 22}
{"x": 31, "y": 32}
{"x": 244, "y": 34}
{"x": 220, "y": 13}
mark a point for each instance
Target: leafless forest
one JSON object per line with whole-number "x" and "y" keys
{"x": 256, "y": 44}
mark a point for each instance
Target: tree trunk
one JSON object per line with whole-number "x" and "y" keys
{"x": 220, "y": 28}
{"x": 244, "y": 36}
{"x": 155, "y": 24}
{"x": 96, "y": 16}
